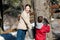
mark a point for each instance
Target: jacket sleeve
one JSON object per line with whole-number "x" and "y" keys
{"x": 46, "y": 28}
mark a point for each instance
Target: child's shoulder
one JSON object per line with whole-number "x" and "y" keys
{"x": 39, "y": 25}
{"x": 46, "y": 25}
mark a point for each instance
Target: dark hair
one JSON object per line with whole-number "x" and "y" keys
{"x": 46, "y": 21}
{"x": 40, "y": 18}
{"x": 27, "y": 5}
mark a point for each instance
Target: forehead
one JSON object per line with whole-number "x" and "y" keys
{"x": 27, "y": 7}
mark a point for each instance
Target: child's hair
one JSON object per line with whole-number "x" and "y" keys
{"x": 40, "y": 18}
{"x": 46, "y": 21}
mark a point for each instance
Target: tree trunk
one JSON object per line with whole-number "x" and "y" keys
{"x": 42, "y": 9}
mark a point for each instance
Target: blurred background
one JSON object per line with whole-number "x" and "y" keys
{"x": 49, "y": 9}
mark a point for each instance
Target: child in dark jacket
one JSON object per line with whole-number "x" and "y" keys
{"x": 42, "y": 28}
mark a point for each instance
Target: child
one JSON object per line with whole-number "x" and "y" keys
{"x": 41, "y": 29}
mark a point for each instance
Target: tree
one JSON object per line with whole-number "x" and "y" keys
{"x": 41, "y": 8}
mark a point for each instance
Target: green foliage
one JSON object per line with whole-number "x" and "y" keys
{"x": 15, "y": 1}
